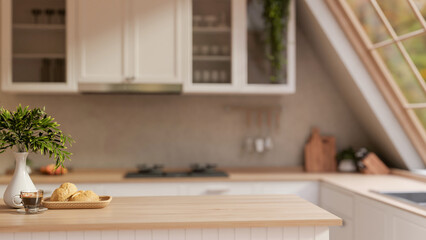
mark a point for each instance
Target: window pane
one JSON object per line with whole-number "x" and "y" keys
{"x": 421, "y": 4}
{"x": 369, "y": 20}
{"x": 416, "y": 48}
{"x": 400, "y": 15}
{"x": 421, "y": 114}
{"x": 402, "y": 74}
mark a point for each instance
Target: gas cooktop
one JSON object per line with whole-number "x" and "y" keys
{"x": 196, "y": 170}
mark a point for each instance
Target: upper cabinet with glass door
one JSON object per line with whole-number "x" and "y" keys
{"x": 270, "y": 47}
{"x": 35, "y": 55}
{"x": 214, "y": 38}
{"x": 236, "y": 48}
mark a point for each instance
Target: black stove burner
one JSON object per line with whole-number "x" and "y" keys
{"x": 156, "y": 171}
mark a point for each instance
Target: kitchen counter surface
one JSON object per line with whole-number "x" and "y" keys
{"x": 356, "y": 183}
{"x": 365, "y": 185}
{"x": 176, "y": 212}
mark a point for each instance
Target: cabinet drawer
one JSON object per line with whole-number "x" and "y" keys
{"x": 336, "y": 201}
{"x": 307, "y": 190}
{"x": 141, "y": 189}
{"x": 219, "y": 189}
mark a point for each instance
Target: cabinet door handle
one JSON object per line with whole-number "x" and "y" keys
{"x": 129, "y": 79}
{"x": 216, "y": 190}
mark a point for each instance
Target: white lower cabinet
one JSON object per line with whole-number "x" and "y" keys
{"x": 367, "y": 219}
{"x": 344, "y": 232}
{"x": 219, "y": 188}
{"x": 124, "y": 189}
{"x": 408, "y": 228}
{"x": 305, "y": 189}
{"x": 371, "y": 220}
{"x": 340, "y": 203}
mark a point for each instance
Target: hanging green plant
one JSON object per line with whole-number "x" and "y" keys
{"x": 275, "y": 15}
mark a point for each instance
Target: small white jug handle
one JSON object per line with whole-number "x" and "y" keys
{"x": 17, "y": 200}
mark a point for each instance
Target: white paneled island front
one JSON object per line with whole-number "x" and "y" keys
{"x": 177, "y": 217}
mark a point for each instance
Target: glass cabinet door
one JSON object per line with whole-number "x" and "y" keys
{"x": 270, "y": 47}
{"x": 38, "y": 41}
{"x": 211, "y": 42}
{"x": 232, "y": 49}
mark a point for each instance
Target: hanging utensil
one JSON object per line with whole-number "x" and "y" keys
{"x": 249, "y": 141}
{"x": 259, "y": 142}
{"x": 269, "y": 145}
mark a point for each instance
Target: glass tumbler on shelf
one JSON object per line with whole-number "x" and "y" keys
{"x": 195, "y": 50}
{"x": 204, "y": 49}
{"x": 210, "y": 20}
{"x": 222, "y": 20}
{"x": 215, "y": 76}
{"x": 36, "y": 12}
{"x": 214, "y": 50}
{"x": 49, "y": 13}
{"x": 224, "y": 50}
{"x": 61, "y": 14}
{"x": 197, "y": 76}
{"x": 223, "y": 76}
{"x": 206, "y": 76}
{"x": 196, "y": 20}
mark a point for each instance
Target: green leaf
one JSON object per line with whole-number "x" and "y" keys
{"x": 32, "y": 129}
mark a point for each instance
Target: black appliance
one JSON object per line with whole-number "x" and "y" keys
{"x": 157, "y": 171}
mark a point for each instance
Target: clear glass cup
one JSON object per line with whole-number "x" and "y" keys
{"x": 31, "y": 200}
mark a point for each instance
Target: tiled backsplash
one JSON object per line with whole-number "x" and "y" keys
{"x": 124, "y": 130}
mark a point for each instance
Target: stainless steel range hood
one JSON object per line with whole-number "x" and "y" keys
{"x": 142, "y": 88}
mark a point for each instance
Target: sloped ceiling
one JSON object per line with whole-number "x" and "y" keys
{"x": 355, "y": 84}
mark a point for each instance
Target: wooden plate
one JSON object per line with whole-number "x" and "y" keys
{"x": 104, "y": 201}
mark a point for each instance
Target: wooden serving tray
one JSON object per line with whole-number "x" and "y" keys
{"x": 104, "y": 201}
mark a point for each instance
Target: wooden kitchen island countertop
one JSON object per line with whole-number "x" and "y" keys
{"x": 186, "y": 212}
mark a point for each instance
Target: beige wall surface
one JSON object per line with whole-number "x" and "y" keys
{"x": 125, "y": 130}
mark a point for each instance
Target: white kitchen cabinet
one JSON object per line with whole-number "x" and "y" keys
{"x": 340, "y": 203}
{"x": 37, "y": 48}
{"x": 222, "y": 50}
{"x": 344, "y": 232}
{"x": 219, "y": 188}
{"x": 160, "y": 51}
{"x": 365, "y": 219}
{"x": 370, "y": 221}
{"x": 143, "y": 189}
{"x": 406, "y": 228}
{"x": 375, "y": 220}
{"x": 307, "y": 190}
{"x": 337, "y": 201}
{"x": 101, "y": 41}
{"x": 123, "y": 189}
{"x": 132, "y": 41}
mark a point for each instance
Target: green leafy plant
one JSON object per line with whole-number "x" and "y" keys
{"x": 275, "y": 15}
{"x": 33, "y": 130}
{"x": 348, "y": 153}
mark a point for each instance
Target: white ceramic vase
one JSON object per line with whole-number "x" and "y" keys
{"x": 21, "y": 181}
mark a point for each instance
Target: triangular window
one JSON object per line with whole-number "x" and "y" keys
{"x": 390, "y": 37}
